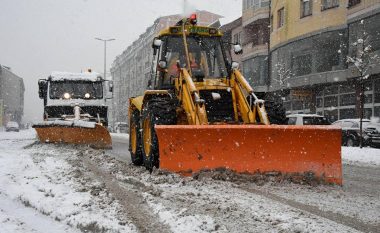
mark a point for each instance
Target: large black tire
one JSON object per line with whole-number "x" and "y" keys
{"x": 135, "y": 145}
{"x": 158, "y": 111}
{"x": 276, "y": 112}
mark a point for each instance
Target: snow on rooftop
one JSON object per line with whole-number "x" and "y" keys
{"x": 86, "y": 76}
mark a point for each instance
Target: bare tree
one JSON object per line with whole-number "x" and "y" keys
{"x": 363, "y": 59}
{"x": 283, "y": 74}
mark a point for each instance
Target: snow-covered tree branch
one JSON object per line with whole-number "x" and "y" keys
{"x": 364, "y": 56}
{"x": 283, "y": 74}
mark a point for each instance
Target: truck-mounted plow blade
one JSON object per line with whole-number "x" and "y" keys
{"x": 94, "y": 135}
{"x": 252, "y": 149}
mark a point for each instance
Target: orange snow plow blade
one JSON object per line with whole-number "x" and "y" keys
{"x": 252, "y": 149}
{"x": 97, "y": 137}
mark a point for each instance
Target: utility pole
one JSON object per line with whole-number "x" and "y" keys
{"x": 105, "y": 53}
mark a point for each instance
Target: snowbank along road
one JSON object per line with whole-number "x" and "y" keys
{"x": 62, "y": 188}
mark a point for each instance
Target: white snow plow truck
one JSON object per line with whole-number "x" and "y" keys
{"x": 75, "y": 110}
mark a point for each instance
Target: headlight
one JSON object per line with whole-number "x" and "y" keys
{"x": 87, "y": 95}
{"x": 66, "y": 95}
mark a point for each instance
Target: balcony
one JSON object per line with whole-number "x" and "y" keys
{"x": 256, "y": 14}
{"x": 252, "y": 50}
{"x": 358, "y": 8}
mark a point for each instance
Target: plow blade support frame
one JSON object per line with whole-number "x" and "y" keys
{"x": 97, "y": 137}
{"x": 252, "y": 149}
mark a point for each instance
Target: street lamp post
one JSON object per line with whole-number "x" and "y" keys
{"x": 105, "y": 52}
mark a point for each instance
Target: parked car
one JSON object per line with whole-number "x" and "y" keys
{"x": 307, "y": 119}
{"x": 121, "y": 127}
{"x": 12, "y": 126}
{"x": 351, "y": 132}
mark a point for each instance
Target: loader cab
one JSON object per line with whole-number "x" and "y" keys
{"x": 206, "y": 55}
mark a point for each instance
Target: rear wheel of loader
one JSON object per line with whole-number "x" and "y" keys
{"x": 135, "y": 139}
{"x": 159, "y": 111}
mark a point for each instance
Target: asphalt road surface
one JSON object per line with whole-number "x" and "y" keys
{"x": 356, "y": 179}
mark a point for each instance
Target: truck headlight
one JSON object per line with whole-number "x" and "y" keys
{"x": 66, "y": 95}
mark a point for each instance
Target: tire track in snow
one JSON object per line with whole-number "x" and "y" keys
{"x": 336, "y": 217}
{"x": 137, "y": 211}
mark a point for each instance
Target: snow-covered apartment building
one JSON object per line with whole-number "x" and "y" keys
{"x": 310, "y": 41}
{"x": 11, "y": 96}
{"x": 131, "y": 70}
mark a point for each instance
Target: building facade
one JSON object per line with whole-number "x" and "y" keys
{"x": 131, "y": 70}
{"x": 255, "y": 39}
{"x": 310, "y": 43}
{"x": 251, "y": 31}
{"x": 11, "y": 96}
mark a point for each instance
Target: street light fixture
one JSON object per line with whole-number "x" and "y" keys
{"x": 105, "y": 52}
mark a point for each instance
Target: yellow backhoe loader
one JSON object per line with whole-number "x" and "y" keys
{"x": 201, "y": 113}
{"x": 74, "y": 109}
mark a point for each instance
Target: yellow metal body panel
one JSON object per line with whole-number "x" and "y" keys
{"x": 136, "y": 102}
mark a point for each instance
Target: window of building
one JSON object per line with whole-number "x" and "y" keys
{"x": 368, "y": 98}
{"x": 255, "y": 70}
{"x": 237, "y": 38}
{"x": 377, "y": 91}
{"x": 352, "y": 3}
{"x": 319, "y": 102}
{"x": 347, "y": 113}
{"x": 376, "y": 111}
{"x": 281, "y": 17}
{"x": 347, "y": 88}
{"x": 347, "y": 99}
{"x": 331, "y": 90}
{"x": 367, "y": 113}
{"x": 331, "y": 101}
{"x": 298, "y": 105}
{"x": 306, "y": 8}
{"x": 328, "y": 4}
{"x": 302, "y": 64}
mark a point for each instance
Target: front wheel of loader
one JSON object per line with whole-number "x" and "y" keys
{"x": 159, "y": 111}
{"x": 135, "y": 139}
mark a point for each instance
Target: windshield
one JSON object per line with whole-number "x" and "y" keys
{"x": 206, "y": 57}
{"x": 315, "y": 121}
{"x": 76, "y": 90}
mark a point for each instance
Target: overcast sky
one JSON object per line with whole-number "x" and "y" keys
{"x": 41, "y": 36}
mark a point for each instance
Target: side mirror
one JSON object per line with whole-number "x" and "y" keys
{"x": 110, "y": 86}
{"x": 238, "y": 49}
{"x": 157, "y": 43}
{"x": 163, "y": 64}
{"x": 42, "y": 88}
{"x": 235, "y": 65}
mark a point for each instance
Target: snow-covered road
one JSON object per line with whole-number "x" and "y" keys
{"x": 61, "y": 188}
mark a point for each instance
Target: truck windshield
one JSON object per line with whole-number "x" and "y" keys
{"x": 205, "y": 54}
{"x": 76, "y": 90}
{"x": 315, "y": 121}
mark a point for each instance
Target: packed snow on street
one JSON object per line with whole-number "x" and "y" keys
{"x": 65, "y": 188}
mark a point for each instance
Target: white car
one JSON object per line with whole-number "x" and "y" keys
{"x": 307, "y": 119}
{"x": 12, "y": 126}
